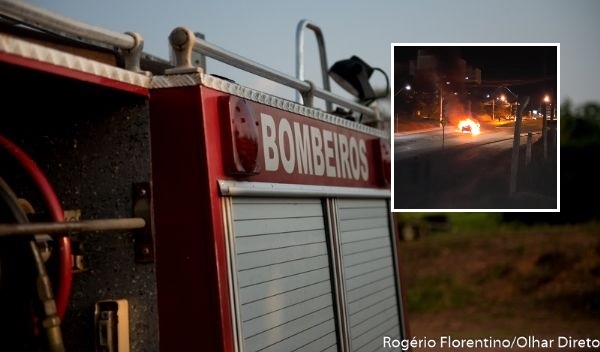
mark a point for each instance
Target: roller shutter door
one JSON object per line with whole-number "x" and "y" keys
{"x": 282, "y": 275}
{"x": 368, "y": 272}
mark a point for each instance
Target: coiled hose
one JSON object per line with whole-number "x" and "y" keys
{"x": 51, "y": 322}
{"x": 65, "y": 260}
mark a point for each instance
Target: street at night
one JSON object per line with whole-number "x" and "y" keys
{"x": 480, "y": 95}
{"x": 467, "y": 172}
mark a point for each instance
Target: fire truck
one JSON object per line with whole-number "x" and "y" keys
{"x": 148, "y": 205}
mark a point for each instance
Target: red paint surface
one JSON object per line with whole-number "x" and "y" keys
{"x": 71, "y": 73}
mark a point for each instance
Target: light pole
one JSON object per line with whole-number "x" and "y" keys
{"x": 407, "y": 87}
{"x": 545, "y": 124}
{"x": 493, "y": 111}
{"x": 546, "y": 104}
{"x": 442, "y": 122}
{"x": 403, "y": 88}
{"x": 441, "y": 108}
{"x": 516, "y": 103}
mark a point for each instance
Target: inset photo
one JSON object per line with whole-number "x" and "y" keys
{"x": 475, "y": 127}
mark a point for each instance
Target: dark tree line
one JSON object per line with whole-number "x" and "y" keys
{"x": 579, "y": 167}
{"x": 579, "y": 159}
{"x": 580, "y": 126}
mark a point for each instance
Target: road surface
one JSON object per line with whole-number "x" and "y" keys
{"x": 457, "y": 170}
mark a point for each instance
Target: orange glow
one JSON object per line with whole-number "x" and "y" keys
{"x": 474, "y": 125}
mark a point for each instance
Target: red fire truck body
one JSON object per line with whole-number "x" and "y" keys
{"x": 201, "y": 215}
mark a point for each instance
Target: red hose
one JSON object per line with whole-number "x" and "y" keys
{"x": 65, "y": 264}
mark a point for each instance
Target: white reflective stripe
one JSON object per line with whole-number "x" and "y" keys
{"x": 283, "y": 275}
{"x": 368, "y": 271}
{"x": 263, "y": 189}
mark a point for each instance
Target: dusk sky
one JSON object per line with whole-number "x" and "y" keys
{"x": 264, "y": 31}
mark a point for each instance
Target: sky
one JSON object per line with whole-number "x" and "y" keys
{"x": 264, "y": 31}
{"x": 525, "y": 70}
{"x": 495, "y": 61}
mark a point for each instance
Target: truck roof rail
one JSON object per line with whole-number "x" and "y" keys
{"x": 131, "y": 44}
{"x": 183, "y": 42}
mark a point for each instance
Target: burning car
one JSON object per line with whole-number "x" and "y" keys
{"x": 469, "y": 126}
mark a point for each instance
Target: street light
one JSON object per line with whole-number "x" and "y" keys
{"x": 407, "y": 87}
{"x": 546, "y": 103}
{"x": 403, "y": 88}
{"x": 516, "y": 97}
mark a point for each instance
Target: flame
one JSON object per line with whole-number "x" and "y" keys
{"x": 468, "y": 122}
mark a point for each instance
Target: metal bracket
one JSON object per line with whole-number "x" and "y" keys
{"x": 181, "y": 42}
{"x": 307, "y": 97}
{"x": 143, "y": 239}
{"x": 133, "y": 56}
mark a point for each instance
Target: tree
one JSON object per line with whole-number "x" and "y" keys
{"x": 579, "y": 150}
{"x": 499, "y": 110}
{"x": 580, "y": 126}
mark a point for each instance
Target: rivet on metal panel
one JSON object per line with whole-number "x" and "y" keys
{"x": 143, "y": 239}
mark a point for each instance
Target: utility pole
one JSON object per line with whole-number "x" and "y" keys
{"x": 443, "y": 134}
{"x": 493, "y": 108}
{"x": 441, "y": 104}
{"x": 516, "y": 144}
{"x": 442, "y": 120}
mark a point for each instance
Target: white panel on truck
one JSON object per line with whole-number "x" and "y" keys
{"x": 368, "y": 272}
{"x": 284, "y": 289}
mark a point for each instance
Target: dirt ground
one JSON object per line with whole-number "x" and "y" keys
{"x": 541, "y": 284}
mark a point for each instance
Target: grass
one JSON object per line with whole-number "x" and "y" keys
{"x": 411, "y": 123}
{"x": 438, "y": 293}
